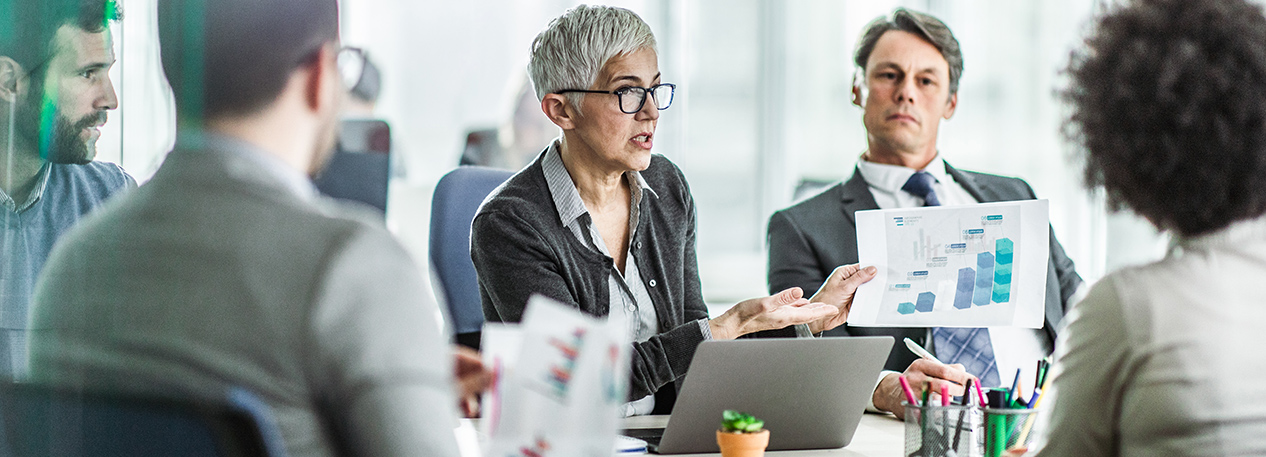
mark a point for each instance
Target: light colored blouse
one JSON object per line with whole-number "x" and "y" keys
{"x": 1166, "y": 359}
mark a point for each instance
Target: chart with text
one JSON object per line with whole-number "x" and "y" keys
{"x": 954, "y": 266}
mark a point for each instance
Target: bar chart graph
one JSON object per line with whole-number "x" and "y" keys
{"x": 966, "y": 266}
{"x": 954, "y": 266}
{"x": 988, "y": 282}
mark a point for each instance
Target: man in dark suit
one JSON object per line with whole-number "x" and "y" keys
{"x": 909, "y": 67}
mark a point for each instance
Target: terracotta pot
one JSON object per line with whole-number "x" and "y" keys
{"x": 743, "y": 444}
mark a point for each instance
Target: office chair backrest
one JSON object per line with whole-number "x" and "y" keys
{"x": 42, "y": 421}
{"x": 360, "y": 169}
{"x": 457, "y": 197}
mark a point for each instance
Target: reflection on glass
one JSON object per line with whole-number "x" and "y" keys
{"x": 55, "y": 92}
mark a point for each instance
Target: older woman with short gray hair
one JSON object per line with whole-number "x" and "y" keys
{"x": 600, "y": 223}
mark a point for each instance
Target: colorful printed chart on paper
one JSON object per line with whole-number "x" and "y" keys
{"x": 954, "y": 266}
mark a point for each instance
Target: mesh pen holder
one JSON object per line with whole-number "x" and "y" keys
{"x": 1006, "y": 429}
{"x": 936, "y": 431}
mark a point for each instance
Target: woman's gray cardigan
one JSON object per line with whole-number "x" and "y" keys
{"x": 520, "y": 248}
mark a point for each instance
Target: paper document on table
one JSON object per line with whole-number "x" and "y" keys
{"x": 978, "y": 265}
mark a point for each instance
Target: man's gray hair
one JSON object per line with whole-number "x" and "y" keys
{"x": 574, "y": 47}
{"x": 923, "y": 25}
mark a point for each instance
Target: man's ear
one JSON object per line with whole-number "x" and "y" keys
{"x": 559, "y": 111}
{"x": 10, "y": 79}
{"x": 322, "y": 86}
{"x": 859, "y": 97}
{"x": 952, "y": 104}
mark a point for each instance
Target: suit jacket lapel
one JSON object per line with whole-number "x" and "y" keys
{"x": 855, "y": 196}
{"x": 985, "y": 193}
{"x": 982, "y": 192}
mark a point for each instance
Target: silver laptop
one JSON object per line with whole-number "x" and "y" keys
{"x": 811, "y": 392}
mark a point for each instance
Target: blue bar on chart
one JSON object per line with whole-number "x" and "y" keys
{"x": 966, "y": 284}
{"x": 984, "y": 279}
{"x": 905, "y": 308}
{"x": 1002, "y": 270}
{"x": 924, "y": 303}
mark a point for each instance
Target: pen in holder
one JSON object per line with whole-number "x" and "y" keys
{"x": 1007, "y": 429}
{"x": 935, "y": 431}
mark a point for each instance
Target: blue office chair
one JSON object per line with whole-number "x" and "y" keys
{"x": 42, "y": 421}
{"x": 361, "y": 166}
{"x": 457, "y": 197}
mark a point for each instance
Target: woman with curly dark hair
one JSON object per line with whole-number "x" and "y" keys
{"x": 1169, "y": 102}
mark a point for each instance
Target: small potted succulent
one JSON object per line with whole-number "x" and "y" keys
{"x": 742, "y": 435}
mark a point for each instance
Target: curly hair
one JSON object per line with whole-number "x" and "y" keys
{"x": 1169, "y": 104}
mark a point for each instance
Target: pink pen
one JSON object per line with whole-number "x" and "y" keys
{"x": 905, "y": 385}
{"x": 945, "y": 398}
{"x": 981, "y": 394}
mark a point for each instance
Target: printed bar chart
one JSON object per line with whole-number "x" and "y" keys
{"x": 1005, "y": 250}
{"x": 984, "y": 279}
{"x": 924, "y": 303}
{"x": 966, "y": 285}
{"x": 968, "y": 266}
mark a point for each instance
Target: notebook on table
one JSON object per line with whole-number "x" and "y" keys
{"x": 811, "y": 392}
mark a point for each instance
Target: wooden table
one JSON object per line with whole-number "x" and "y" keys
{"x": 878, "y": 435}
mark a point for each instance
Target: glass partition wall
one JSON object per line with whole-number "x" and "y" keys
{"x": 762, "y": 110}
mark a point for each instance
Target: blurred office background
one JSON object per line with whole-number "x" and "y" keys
{"x": 762, "y": 107}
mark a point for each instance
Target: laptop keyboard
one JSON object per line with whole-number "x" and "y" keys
{"x": 650, "y": 435}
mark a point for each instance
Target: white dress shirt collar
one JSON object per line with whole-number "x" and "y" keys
{"x": 885, "y": 183}
{"x": 890, "y": 178}
{"x": 567, "y": 198}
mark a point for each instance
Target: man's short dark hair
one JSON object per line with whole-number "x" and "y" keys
{"x": 234, "y": 57}
{"x": 1169, "y": 102}
{"x": 925, "y": 26}
{"x": 27, "y": 27}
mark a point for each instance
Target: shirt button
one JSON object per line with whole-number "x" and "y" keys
{"x": 653, "y": 283}
{"x": 639, "y": 245}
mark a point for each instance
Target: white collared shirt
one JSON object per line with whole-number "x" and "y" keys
{"x": 885, "y": 182}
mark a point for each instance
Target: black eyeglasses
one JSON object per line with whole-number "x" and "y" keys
{"x": 662, "y": 93}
